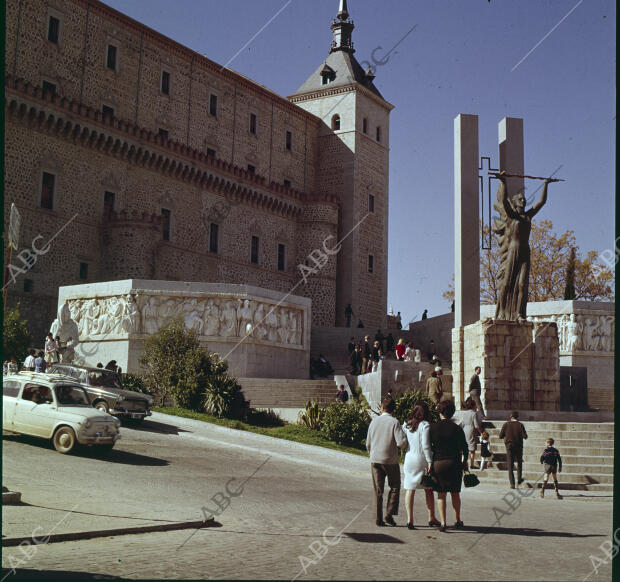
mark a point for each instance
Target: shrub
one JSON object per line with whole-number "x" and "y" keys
{"x": 223, "y": 395}
{"x": 312, "y": 417}
{"x": 15, "y": 336}
{"x": 346, "y": 423}
{"x": 406, "y": 402}
{"x": 265, "y": 418}
{"x": 174, "y": 364}
{"x": 133, "y": 382}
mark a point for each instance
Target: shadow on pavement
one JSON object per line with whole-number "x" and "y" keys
{"x": 28, "y": 574}
{"x": 373, "y": 538}
{"x": 92, "y": 453}
{"x": 521, "y": 531}
{"x": 125, "y": 458}
{"x": 154, "y": 426}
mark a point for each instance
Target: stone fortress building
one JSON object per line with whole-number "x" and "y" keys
{"x": 168, "y": 166}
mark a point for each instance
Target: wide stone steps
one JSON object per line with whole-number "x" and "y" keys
{"x": 587, "y": 451}
{"x": 284, "y": 393}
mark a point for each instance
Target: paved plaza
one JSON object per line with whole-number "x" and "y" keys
{"x": 306, "y": 513}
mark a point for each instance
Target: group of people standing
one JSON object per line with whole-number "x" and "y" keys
{"x": 436, "y": 457}
{"x": 436, "y": 451}
{"x": 365, "y": 355}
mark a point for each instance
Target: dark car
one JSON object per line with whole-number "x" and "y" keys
{"x": 106, "y": 392}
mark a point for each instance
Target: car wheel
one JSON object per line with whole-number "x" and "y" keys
{"x": 102, "y": 405}
{"x": 64, "y": 440}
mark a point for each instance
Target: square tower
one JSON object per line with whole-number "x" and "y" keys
{"x": 353, "y": 163}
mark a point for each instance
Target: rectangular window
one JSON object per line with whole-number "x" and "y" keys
{"x": 164, "y": 134}
{"x": 289, "y": 140}
{"x": 53, "y": 30}
{"x": 47, "y": 88}
{"x": 213, "y": 104}
{"x": 111, "y": 57}
{"x": 28, "y": 285}
{"x": 378, "y": 133}
{"x": 47, "y": 190}
{"x": 371, "y": 203}
{"x": 254, "y": 250}
{"x": 108, "y": 204}
{"x": 166, "y": 223}
{"x": 214, "y": 237}
{"x": 365, "y": 125}
{"x": 83, "y": 271}
{"x": 371, "y": 264}
{"x": 287, "y": 184}
{"x": 108, "y": 112}
{"x": 253, "y": 123}
{"x": 211, "y": 153}
{"x": 165, "y": 82}
{"x": 251, "y": 169}
{"x": 281, "y": 257}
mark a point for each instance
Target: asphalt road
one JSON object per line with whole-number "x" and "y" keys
{"x": 286, "y": 511}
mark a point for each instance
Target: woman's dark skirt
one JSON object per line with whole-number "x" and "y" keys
{"x": 448, "y": 475}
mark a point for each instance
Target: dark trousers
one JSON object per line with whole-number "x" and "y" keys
{"x": 514, "y": 454}
{"x": 348, "y": 320}
{"x": 379, "y": 473}
{"x": 475, "y": 394}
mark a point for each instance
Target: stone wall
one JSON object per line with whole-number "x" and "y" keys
{"x": 519, "y": 361}
{"x": 438, "y": 329}
{"x": 291, "y": 197}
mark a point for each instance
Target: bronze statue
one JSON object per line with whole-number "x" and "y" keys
{"x": 513, "y": 227}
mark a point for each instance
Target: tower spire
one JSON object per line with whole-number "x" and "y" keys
{"x": 342, "y": 27}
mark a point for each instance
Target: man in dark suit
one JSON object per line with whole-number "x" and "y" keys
{"x": 513, "y": 433}
{"x": 475, "y": 390}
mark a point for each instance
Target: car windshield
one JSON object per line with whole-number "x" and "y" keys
{"x": 71, "y": 396}
{"x": 104, "y": 379}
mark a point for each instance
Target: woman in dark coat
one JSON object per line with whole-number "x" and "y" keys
{"x": 449, "y": 459}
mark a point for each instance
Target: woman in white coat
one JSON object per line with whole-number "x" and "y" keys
{"x": 418, "y": 460}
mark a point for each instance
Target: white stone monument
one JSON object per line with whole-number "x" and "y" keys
{"x": 262, "y": 333}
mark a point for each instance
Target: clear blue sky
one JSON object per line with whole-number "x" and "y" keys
{"x": 457, "y": 60}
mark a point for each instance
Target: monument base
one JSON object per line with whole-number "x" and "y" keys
{"x": 520, "y": 364}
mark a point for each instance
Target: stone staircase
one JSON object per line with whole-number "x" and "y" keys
{"x": 332, "y": 343}
{"x": 283, "y": 393}
{"x": 587, "y": 451}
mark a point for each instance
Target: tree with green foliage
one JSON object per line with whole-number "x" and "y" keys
{"x": 174, "y": 364}
{"x": 15, "y": 335}
{"x": 569, "y": 289}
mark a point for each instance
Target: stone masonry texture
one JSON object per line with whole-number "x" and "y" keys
{"x": 172, "y": 155}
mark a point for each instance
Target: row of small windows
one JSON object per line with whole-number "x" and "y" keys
{"x": 48, "y": 182}
{"x": 336, "y": 126}
{"x": 112, "y": 61}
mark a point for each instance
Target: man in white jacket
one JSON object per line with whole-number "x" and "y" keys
{"x": 385, "y": 435}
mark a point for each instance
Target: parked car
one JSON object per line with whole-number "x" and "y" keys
{"x": 55, "y": 407}
{"x": 106, "y": 392}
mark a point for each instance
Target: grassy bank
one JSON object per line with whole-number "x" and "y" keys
{"x": 289, "y": 432}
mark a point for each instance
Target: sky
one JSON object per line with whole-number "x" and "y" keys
{"x": 550, "y": 62}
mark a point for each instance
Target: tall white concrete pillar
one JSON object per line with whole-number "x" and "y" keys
{"x": 511, "y": 154}
{"x": 466, "y": 221}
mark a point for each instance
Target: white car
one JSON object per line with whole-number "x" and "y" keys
{"x": 55, "y": 407}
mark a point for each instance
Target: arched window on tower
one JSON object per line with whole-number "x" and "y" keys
{"x": 336, "y": 122}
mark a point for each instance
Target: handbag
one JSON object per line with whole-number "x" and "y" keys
{"x": 470, "y": 480}
{"x": 428, "y": 481}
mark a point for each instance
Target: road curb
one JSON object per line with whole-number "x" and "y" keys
{"x": 102, "y": 533}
